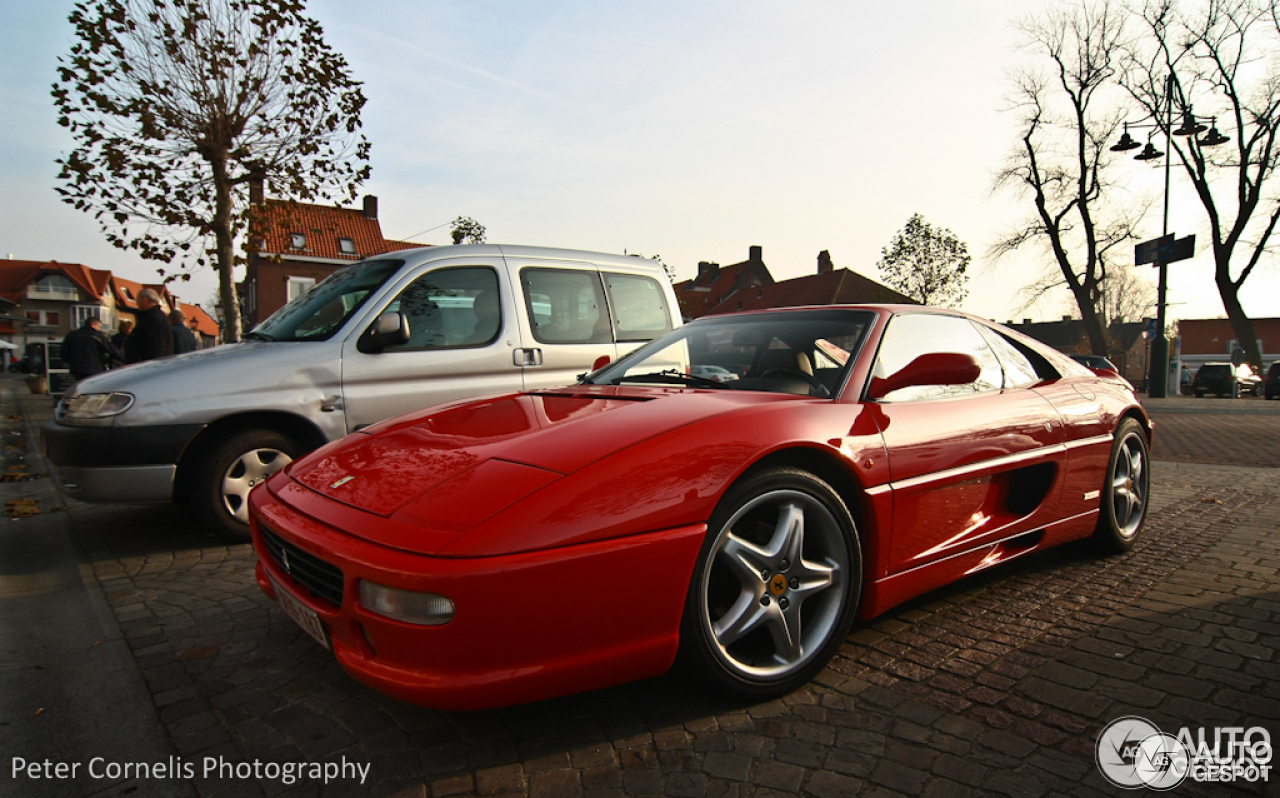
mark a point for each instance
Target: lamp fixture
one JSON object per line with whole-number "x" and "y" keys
{"x": 1149, "y": 153}
{"x": 1126, "y": 142}
{"x": 1190, "y": 126}
{"x": 1213, "y": 137}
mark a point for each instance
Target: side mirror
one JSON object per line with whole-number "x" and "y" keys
{"x": 601, "y": 362}
{"x": 934, "y": 368}
{"x": 389, "y": 329}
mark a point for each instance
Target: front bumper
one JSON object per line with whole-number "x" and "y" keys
{"x": 528, "y": 626}
{"x": 117, "y": 464}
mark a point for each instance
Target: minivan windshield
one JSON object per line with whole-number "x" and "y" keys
{"x": 320, "y": 312}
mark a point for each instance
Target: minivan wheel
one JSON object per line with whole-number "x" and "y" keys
{"x": 230, "y": 471}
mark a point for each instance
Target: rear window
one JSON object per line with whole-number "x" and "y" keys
{"x": 1214, "y": 371}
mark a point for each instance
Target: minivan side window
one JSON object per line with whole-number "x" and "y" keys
{"x": 450, "y": 309}
{"x": 566, "y": 306}
{"x": 638, "y": 305}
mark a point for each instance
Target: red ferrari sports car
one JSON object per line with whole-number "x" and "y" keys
{"x": 514, "y": 548}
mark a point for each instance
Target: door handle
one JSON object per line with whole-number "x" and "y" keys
{"x": 330, "y": 404}
{"x": 526, "y": 357}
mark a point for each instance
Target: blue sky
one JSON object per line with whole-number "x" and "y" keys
{"x": 692, "y": 130}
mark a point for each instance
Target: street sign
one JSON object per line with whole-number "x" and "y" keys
{"x": 1149, "y": 251}
{"x": 1164, "y": 250}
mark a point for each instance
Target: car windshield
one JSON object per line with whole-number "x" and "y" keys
{"x": 797, "y": 352}
{"x": 320, "y": 312}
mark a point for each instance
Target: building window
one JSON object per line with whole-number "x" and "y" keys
{"x": 298, "y": 286}
{"x": 298, "y": 240}
{"x": 83, "y": 312}
{"x": 47, "y": 318}
{"x": 53, "y": 286}
{"x": 346, "y": 246}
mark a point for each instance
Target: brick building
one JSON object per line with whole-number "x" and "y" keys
{"x": 1212, "y": 340}
{"x": 301, "y": 244}
{"x": 749, "y": 286}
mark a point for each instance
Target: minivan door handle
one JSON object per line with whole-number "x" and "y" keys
{"x": 527, "y": 357}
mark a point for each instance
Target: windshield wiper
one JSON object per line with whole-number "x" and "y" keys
{"x": 671, "y": 377}
{"x": 257, "y": 336}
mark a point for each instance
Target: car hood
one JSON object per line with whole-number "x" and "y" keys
{"x": 196, "y": 386}
{"x": 491, "y": 452}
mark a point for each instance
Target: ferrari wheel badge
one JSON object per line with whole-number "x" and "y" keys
{"x": 778, "y": 585}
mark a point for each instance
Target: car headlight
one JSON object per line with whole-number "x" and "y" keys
{"x": 425, "y": 609}
{"x": 94, "y": 408}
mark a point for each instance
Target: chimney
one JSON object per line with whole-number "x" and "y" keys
{"x": 370, "y": 207}
{"x": 256, "y": 188}
{"x": 1066, "y": 318}
{"x": 1026, "y": 321}
{"x": 710, "y": 270}
{"x": 755, "y": 254}
{"x": 824, "y": 262}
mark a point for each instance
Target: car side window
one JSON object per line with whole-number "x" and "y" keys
{"x": 1018, "y": 370}
{"x": 911, "y": 335}
{"x": 638, "y": 305}
{"x": 566, "y": 306}
{"x": 450, "y": 309}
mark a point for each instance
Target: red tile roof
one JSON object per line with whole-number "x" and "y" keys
{"x": 323, "y": 226}
{"x": 837, "y": 287}
{"x": 205, "y": 324}
{"x": 15, "y": 275}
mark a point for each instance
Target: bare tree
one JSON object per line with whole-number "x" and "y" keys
{"x": 176, "y": 107}
{"x": 1219, "y": 59}
{"x": 1126, "y": 296}
{"x": 927, "y": 263}
{"x": 1061, "y": 161}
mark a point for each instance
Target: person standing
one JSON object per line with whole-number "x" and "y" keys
{"x": 87, "y": 350}
{"x": 125, "y": 327}
{"x": 152, "y": 337}
{"x": 183, "y": 340}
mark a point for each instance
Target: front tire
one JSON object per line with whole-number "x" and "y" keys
{"x": 776, "y": 586}
{"x": 1126, "y": 491}
{"x": 230, "y": 471}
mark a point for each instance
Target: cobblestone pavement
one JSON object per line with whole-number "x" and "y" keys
{"x": 995, "y": 686}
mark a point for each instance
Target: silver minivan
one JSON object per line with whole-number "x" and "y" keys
{"x": 382, "y": 337}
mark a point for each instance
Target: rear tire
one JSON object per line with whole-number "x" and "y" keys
{"x": 1126, "y": 491}
{"x": 776, "y": 586}
{"x": 220, "y": 495}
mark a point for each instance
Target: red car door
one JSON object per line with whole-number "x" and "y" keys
{"x": 969, "y": 464}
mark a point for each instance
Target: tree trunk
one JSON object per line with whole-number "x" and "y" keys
{"x": 225, "y": 251}
{"x": 1241, "y": 324}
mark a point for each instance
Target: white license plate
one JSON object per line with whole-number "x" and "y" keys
{"x": 302, "y": 615}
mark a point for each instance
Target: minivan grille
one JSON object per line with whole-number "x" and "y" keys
{"x": 307, "y": 570}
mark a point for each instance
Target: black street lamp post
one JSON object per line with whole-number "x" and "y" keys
{"x": 1158, "y": 364}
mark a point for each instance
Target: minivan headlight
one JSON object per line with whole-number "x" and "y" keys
{"x": 95, "y": 407}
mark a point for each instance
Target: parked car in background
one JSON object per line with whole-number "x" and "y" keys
{"x": 1099, "y": 363}
{"x": 1095, "y": 362}
{"x": 515, "y": 548}
{"x": 1224, "y": 379}
{"x": 713, "y": 373}
{"x": 1272, "y": 389}
{"x": 381, "y": 337}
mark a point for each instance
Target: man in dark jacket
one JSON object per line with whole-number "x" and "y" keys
{"x": 87, "y": 351}
{"x": 152, "y": 337}
{"x": 183, "y": 339}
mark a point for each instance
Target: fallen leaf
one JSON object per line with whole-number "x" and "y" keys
{"x": 1211, "y": 501}
{"x": 38, "y": 711}
{"x": 21, "y": 508}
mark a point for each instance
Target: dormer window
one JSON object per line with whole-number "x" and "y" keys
{"x": 298, "y": 240}
{"x": 346, "y": 246}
